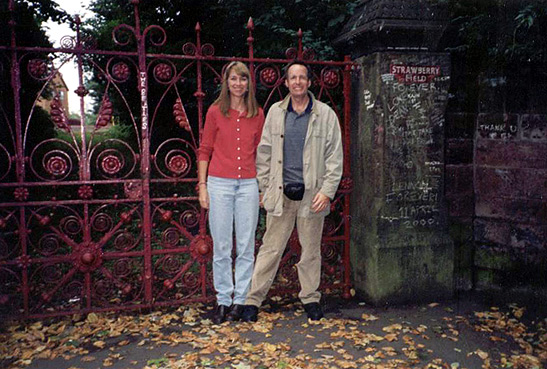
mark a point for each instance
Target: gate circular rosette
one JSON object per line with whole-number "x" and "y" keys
{"x": 119, "y": 70}
{"x": 40, "y": 69}
{"x": 53, "y": 160}
{"x": 330, "y": 77}
{"x": 269, "y": 75}
{"x": 164, "y": 71}
{"x": 174, "y": 158}
{"x": 113, "y": 158}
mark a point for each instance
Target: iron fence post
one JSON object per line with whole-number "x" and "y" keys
{"x": 347, "y": 174}
{"x": 145, "y": 156}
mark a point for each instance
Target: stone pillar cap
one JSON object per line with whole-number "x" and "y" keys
{"x": 380, "y": 25}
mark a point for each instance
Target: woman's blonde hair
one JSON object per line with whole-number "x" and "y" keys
{"x": 223, "y": 100}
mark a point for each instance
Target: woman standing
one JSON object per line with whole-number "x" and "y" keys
{"x": 228, "y": 186}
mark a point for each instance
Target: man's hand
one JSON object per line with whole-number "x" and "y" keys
{"x": 260, "y": 197}
{"x": 319, "y": 203}
{"x": 203, "y": 196}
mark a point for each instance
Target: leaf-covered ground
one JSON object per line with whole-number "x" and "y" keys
{"x": 456, "y": 335}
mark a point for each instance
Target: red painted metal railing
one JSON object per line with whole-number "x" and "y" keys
{"x": 91, "y": 222}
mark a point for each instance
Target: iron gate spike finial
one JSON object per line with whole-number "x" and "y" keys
{"x": 250, "y": 40}
{"x": 299, "y": 53}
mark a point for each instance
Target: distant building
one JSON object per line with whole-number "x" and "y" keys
{"x": 59, "y": 92}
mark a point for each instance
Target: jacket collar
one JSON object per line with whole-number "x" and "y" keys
{"x": 285, "y": 103}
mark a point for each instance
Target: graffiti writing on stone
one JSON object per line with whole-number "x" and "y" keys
{"x": 414, "y": 98}
{"x": 497, "y": 131}
{"x": 369, "y": 104}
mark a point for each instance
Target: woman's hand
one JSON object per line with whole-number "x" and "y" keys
{"x": 203, "y": 196}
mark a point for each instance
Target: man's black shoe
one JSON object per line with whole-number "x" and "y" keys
{"x": 250, "y": 313}
{"x": 220, "y": 314}
{"x": 314, "y": 311}
{"x": 235, "y": 314}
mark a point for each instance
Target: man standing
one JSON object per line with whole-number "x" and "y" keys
{"x": 299, "y": 167}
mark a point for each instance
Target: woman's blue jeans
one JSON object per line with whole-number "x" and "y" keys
{"x": 232, "y": 202}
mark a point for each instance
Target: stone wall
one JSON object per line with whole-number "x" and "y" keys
{"x": 496, "y": 188}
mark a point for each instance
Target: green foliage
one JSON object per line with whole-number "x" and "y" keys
{"x": 497, "y": 33}
{"x": 45, "y": 10}
{"x": 117, "y": 131}
{"x": 277, "y": 23}
{"x": 27, "y": 16}
{"x": 501, "y": 44}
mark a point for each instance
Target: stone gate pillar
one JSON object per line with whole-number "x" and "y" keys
{"x": 400, "y": 248}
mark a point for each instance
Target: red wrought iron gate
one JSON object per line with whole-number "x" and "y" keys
{"x": 92, "y": 221}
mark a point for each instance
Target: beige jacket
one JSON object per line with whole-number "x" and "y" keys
{"x": 323, "y": 157}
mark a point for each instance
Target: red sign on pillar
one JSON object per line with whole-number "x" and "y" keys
{"x": 414, "y": 73}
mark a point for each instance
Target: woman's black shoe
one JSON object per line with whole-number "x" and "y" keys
{"x": 235, "y": 314}
{"x": 220, "y": 314}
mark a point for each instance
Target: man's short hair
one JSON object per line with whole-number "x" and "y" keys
{"x": 297, "y": 62}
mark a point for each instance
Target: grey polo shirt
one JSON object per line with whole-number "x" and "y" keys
{"x": 296, "y": 128}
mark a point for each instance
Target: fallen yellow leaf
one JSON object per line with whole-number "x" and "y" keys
{"x": 369, "y": 317}
{"x": 92, "y": 318}
{"x": 269, "y": 347}
{"x": 99, "y": 344}
{"x": 393, "y": 327}
{"x": 108, "y": 362}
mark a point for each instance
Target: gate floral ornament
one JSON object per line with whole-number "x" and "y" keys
{"x": 89, "y": 224}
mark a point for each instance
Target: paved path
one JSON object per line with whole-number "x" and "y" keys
{"x": 470, "y": 332}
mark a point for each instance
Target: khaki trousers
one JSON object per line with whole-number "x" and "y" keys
{"x": 278, "y": 231}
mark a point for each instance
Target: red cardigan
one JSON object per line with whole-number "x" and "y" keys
{"x": 229, "y": 143}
